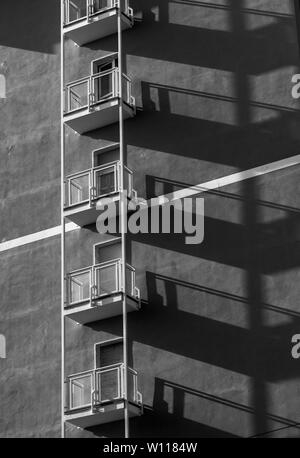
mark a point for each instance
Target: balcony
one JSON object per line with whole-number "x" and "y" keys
{"x": 95, "y": 293}
{"x": 97, "y": 396}
{"x": 89, "y": 20}
{"x": 85, "y": 190}
{"x": 93, "y": 102}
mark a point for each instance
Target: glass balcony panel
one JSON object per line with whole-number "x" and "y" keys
{"x": 78, "y": 94}
{"x": 79, "y": 189}
{"x": 107, "y": 279}
{"x": 131, "y": 380}
{"x": 129, "y": 281}
{"x": 105, "y": 181}
{"x": 126, "y": 88}
{"x": 79, "y": 287}
{"x": 109, "y": 384}
{"x": 128, "y": 182}
{"x": 104, "y": 86}
{"x": 80, "y": 391}
{"x": 99, "y": 5}
{"x": 76, "y": 10}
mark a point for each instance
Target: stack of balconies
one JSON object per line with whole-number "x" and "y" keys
{"x": 96, "y": 292}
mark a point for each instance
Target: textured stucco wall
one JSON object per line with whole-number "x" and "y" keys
{"x": 30, "y": 322}
{"x": 29, "y": 202}
{"x": 29, "y": 118}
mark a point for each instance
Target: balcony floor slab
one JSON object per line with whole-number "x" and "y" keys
{"x": 102, "y": 309}
{"x": 101, "y": 115}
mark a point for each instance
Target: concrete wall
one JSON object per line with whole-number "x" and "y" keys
{"x": 30, "y": 202}
{"x": 212, "y": 341}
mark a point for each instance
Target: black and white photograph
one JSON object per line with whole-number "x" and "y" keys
{"x": 150, "y": 223}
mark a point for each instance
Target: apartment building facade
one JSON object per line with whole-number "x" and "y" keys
{"x": 140, "y": 335}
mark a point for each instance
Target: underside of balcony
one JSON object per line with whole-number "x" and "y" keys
{"x": 101, "y": 309}
{"x": 100, "y": 115}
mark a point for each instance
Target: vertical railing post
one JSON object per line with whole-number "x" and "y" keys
{"x": 95, "y": 388}
{"x": 89, "y": 90}
{"x": 91, "y": 179}
{"x": 65, "y": 12}
{"x": 118, "y": 177}
{"x": 116, "y": 91}
{"x": 66, "y": 394}
{"x": 91, "y": 285}
{"x": 67, "y": 289}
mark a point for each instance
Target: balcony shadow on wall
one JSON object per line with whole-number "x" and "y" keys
{"x": 264, "y": 350}
{"x": 238, "y": 349}
{"x": 153, "y": 32}
{"x": 275, "y": 246}
{"x": 157, "y": 128}
{"x": 155, "y": 422}
{"x": 33, "y": 25}
{"x": 261, "y": 352}
{"x": 156, "y": 186}
{"x": 176, "y": 425}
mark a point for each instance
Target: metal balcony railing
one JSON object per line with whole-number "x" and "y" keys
{"x": 101, "y": 280}
{"x": 90, "y": 389}
{"x": 87, "y": 92}
{"x": 77, "y": 10}
{"x": 89, "y": 185}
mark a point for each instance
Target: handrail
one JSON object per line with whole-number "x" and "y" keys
{"x": 77, "y": 174}
{"x": 105, "y": 73}
{"x": 83, "y": 269}
{"x": 107, "y": 263}
{"x": 99, "y": 167}
{"x": 126, "y": 77}
{"x": 79, "y": 374}
{"x": 75, "y": 82}
{"x": 97, "y": 75}
{"x": 130, "y": 267}
{"x": 128, "y": 170}
{"x": 77, "y": 271}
